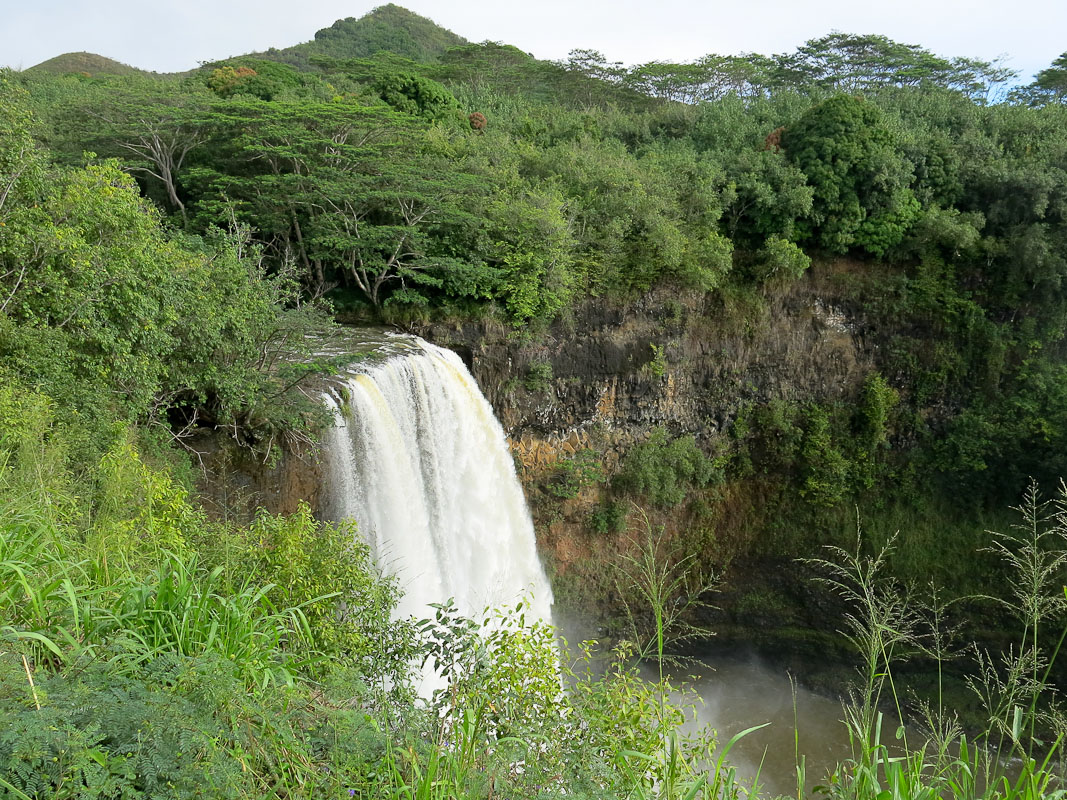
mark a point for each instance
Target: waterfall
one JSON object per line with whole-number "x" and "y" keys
{"x": 420, "y": 461}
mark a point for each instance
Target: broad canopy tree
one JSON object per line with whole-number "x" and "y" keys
{"x": 1053, "y": 79}
{"x": 148, "y": 126}
{"x": 345, "y": 190}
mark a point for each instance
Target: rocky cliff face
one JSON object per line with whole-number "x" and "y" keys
{"x": 668, "y": 359}
{"x": 605, "y": 378}
{"x": 601, "y": 381}
{"x": 234, "y": 483}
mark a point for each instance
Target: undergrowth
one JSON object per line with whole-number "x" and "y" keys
{"x": 146, "y": 651}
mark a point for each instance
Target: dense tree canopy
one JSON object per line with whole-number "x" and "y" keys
{"x": 860, "y": 179}
{"x": 170, "y": 246}
{"x": 361, "y": 177}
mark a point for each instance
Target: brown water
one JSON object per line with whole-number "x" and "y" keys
{"x": 738, "y": 694}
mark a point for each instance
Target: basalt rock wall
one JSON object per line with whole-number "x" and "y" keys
{"x": 607, "y": 375}
{"x": 603, "y": 379}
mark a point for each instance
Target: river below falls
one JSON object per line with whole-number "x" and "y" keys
{"x": 736, "y": 694}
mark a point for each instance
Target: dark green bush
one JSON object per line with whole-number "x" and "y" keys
{"x": 609, "y": 517}
{"x": 538, "y": 377}
{"x": 665, "y": 470}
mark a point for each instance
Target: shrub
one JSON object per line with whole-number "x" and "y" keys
{"x": 326, "y": 570}
{"x": 824, "y": 468}
{"x": 608, "y": 517}
{"x": 780, "y": 259}
{"x": 573, "y": 474}
{"x": 538, "y": 377}
{"x": 664, "y": 470}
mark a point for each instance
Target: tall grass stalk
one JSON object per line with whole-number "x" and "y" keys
{"x": 1035, "y": 554}
{"x": 1014, "y": 689}
{"x": 880, "y": 624}
{"x": 670, "y": 592}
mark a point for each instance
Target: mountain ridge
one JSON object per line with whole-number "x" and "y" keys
{"x": 388, "y": 27}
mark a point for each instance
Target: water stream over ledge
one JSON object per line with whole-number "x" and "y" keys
{"x": 418, "y": 459}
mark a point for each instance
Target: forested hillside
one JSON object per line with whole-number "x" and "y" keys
{"x": 172, "y": 246}
{"x": 484, "y": 182}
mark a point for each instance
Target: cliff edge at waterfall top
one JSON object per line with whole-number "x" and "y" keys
{"x": 418, "y": 459}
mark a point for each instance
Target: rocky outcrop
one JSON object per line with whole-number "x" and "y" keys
{"x": 234, "y": 482}
{"x": 601, "y": 380}
{"x": 611, "y": 372}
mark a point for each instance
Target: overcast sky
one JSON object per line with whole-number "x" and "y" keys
{"x": 174, "y": 35}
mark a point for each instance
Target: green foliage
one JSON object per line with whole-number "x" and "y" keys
{"x": 766, "y": 196}
{"x": 657, "y": 367}
{"x": 876, "y": 404}
{"x": 327, "y": 572}
{"x": 139, "y": 511}
{"x": 779, "y": 260}
{"x": 608, "y": 518}
{"x": 145, "y": 651}
{"x": 574, "y": 473}
{"x": 661, "y": 592}
{"x": 528, "y": 248}
{"x": 354, "y": 193}
{"x": 946, "y": 233}
{"x": 851, "y": 63}
{"x": 778, "y": 433}
{"x": 264, "y": 80}
{"x": 412, "y": 94}
{"x": 825, "y": 469}
{"x": 1022, "y": 720}
{"x": 505, "y": 716}
{"x": 707, "y": 262}
{"x": 91, "y": 64}
{"x": 122, "y": 325}
{"x": 665, "y": 470}
{"x": 105, "y": 733}
{"x": 538, "y": 377}
{"x": 1053, "y": 79}
{"x": 110, "y": 314}
{"x": 130, "y": 664}
{"x": 114, "y": 585}
{"x": 849, "y": 154}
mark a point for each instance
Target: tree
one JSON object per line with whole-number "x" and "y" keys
{"x": 254, "y": 77}
{"x": 531, "y": 246}
{"x": 350, "y": 192}
{"x": 412, "y": 94}
{"x": 846, "y": 62}
{"x": 860, "y": 181}
{"x": 21, "y": 163}
{"x": 1053, "y": 79}
{"x": 824, "y": 469}
{"x": 594, "y": 64}
{"x": 765, "y": 196}
{"x": 150, "y": 127}
{"x": 680, "y": 83}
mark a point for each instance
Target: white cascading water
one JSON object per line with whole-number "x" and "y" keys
{"x": 420, "y": 461}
